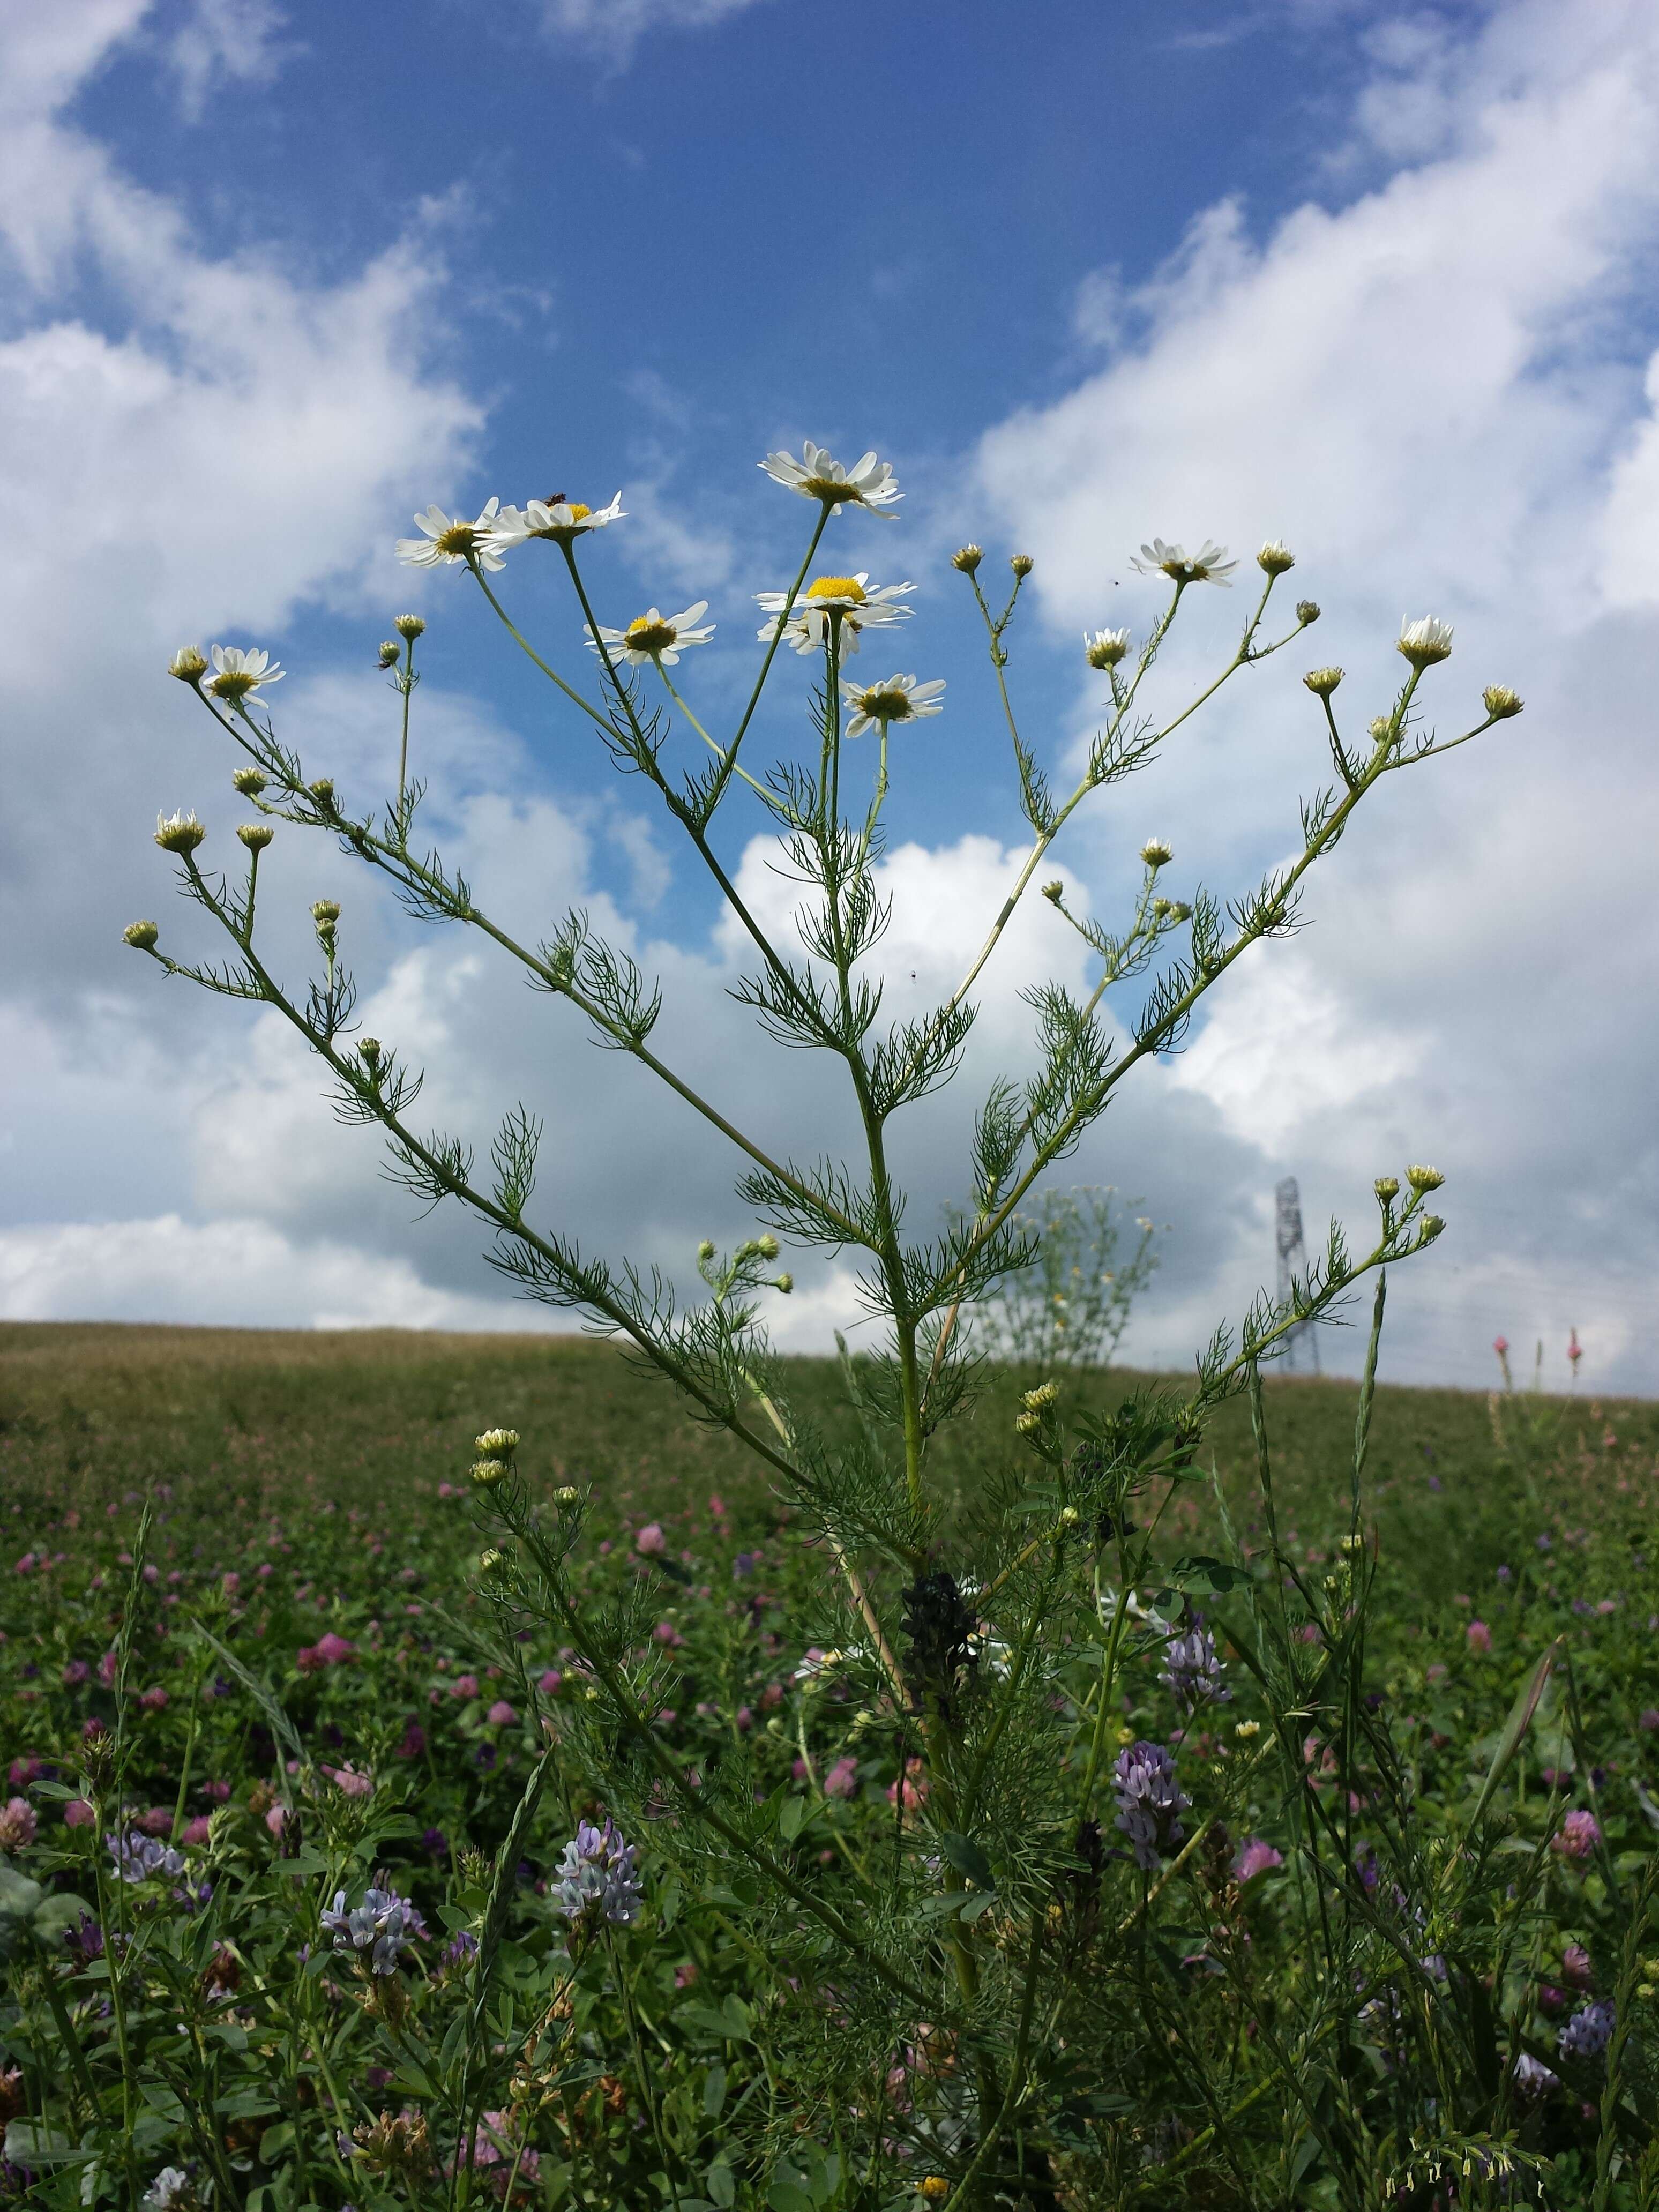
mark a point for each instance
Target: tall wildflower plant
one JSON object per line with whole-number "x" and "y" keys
{"x": 1030, "y": 1973}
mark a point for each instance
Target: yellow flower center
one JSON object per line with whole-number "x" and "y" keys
{"x": 832, "y": 492}
{"x": 885, "y": 703}
{"x": 459, "y": 539}
{"x": 646, "y": 636}
{"x": 575, "y": 509}
{"x": 836, "y": 587}
{"x": 234, "y": 683}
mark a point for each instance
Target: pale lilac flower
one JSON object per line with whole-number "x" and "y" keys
{"x": 1149, "y": 1801}
{"x": 1575, "y": 1966}
{"x": 1590, "y": 2031}
{"x": 1193, "y": 1671}
{"x": 596, "y": 1876}
{"x": 651, "y": 1543}
{"x": 842, "y": 1779}
{"x": 139, "y": 1858}
{"x": 1478, "y": 1636}
{"x": 350, "y": 1781}
{"x": 501, "y": 1713}
{"x": 381, "y": 1925}
{"x": 1532, "y": 2079}
{"x": 170, "y": 2189}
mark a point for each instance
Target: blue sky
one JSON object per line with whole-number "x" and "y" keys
{"x": 1375, "y": 280}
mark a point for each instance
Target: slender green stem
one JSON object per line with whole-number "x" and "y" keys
{"x": 407, "y": 688}
{"x": 713, "y": 744}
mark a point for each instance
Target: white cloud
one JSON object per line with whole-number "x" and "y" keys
{"x": 1433, "y": 392}
{"x": 619, "y": 23}
{"x": 229, "y": 1273}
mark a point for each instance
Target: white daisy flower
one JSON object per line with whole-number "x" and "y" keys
{"x": 238, "y": 674}
{"x": 653, "y": 637}
{"x": 869, "y": 482}
{"x": 450, "y": 537}
{"x": 1424, "y": 642}
{"x": 1104, "y": 648}
{"x": 900, "y": 699}
{"x": 556, "y": 517}
{"x": 859, "y": 605}
{"x": 1209, "y": 565}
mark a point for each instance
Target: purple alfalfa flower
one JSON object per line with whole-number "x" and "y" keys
{"x": 1590, "y": 2031}
{"x": 1149, "y": 1801}
{"x": 461, "y": 1951}
{"x": 1193, "y": 1671}
{"x": 1532, "y": 2079}
{"x": 85, "y": 1941}
{"x": 381, "y": 1925}
{"x": 139, "y": 1858}
{"x": 597, "y": 1878}
{"x": 1254, "y": 1858}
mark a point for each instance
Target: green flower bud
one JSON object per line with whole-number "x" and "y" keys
{"x": 1275, "y": 558}
{"x": 785, "y": 1284}
{"x": 1429, "y": 1227}
{"x": 1022, "y": 564}
{"x": 369, "y": 1050}
{"x": 494, "y": 1441}
{"x": 1501, "y": 703}
{"x": 391, "y": 652}
{"x": 179, "y": 833}
{"x": 409, "y": 626}
{"x": 1323, "y": 681}
{"x": 967, "y": 558}
{"x": 256, "y": 836}
{"x": 1055, "y": 891}
{"x": 705, "y": 1249}
{"x": 141, "y": 935}
{"x": 322, "y": 792}
{"x": 250, "y": 781}
{"x": 1424, "y": 1179}
{"x": 487, "y": 1473}
{"x": 1387, "y": 1189}
{"x": 1307, "y": 610}
{"x": 567, "y": 1496}
{"x": 1156, "y": 853}
{"x": 767, "y": 1246}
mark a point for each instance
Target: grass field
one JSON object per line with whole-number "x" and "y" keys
{"x": 302, "y": 1500}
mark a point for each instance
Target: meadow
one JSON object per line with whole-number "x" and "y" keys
{"x": 306, "y": 1896}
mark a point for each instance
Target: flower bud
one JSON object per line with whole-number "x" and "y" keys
{"x": 705, "y": 1249}
{"x": 967, "y": 558}
{"x": 767, "y": 1246}
{"x": 325, "y": 912}
{"x": 1044, "y": 1395}
{"x": 369, "y": 1050}
{"x": 1323, "y": 681}
{"x": 141, "y": 935}
{"x": 1381, "y": 729}
{"x": 250, "y": 781}
{"x": 391, "y": 652}
{"x": 1055, "y": 891}
{"x": 1068, "y": 1517}
{"x": 1156, "y": 853}
{"x": 1247, "y": 1730}
{"x": 487, "y": 1473}
{"x": 1028, "y": 1425}
{"x": 1424, "y": 1179}
{"x": 1429, "y": 1227}
{"x": 1387, "y": 1189}
{"x": 409, "y": 626}
{"x": 785, "y": 1284}
{"x": 1307, "y": 610}
{"x": 188, "y": 664}
{"x": 1275, "y": 558}
{"x": 256, "y": 836}
{"x": 488, "y": 1561}
{"x": 179, "y": 833}
{"x": 494, "y": 1441}
{"x": 1501, "y": 703}
{"x": 322, "y": 792}
{"x": 1022, "y": 564}
{"x": 566, "y": 1495}
{"x": 1104, "y": 648}
{"x": 1161, "y": 909}
{"x": 1425, "y": 642}
{"x": 1180, "y": 911}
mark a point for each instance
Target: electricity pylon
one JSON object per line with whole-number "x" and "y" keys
{"x": 1302, "y": 1345}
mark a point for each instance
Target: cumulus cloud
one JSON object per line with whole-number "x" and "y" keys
{"x": 1432, "y": 390}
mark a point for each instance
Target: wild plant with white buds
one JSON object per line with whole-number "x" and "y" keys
{"x": 1000, "y": 1928}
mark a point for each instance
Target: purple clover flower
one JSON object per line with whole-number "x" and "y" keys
{"x": 596, "y": 1877}
{"x": 381, "y": 1925}
{"x": 1590, "y": 2031}
{"x": 1193, "y": 1671}
{"x": 461, "y": 1951}
{"x": 139, "y": 1858}
{"x": 1149, "y": 1801}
